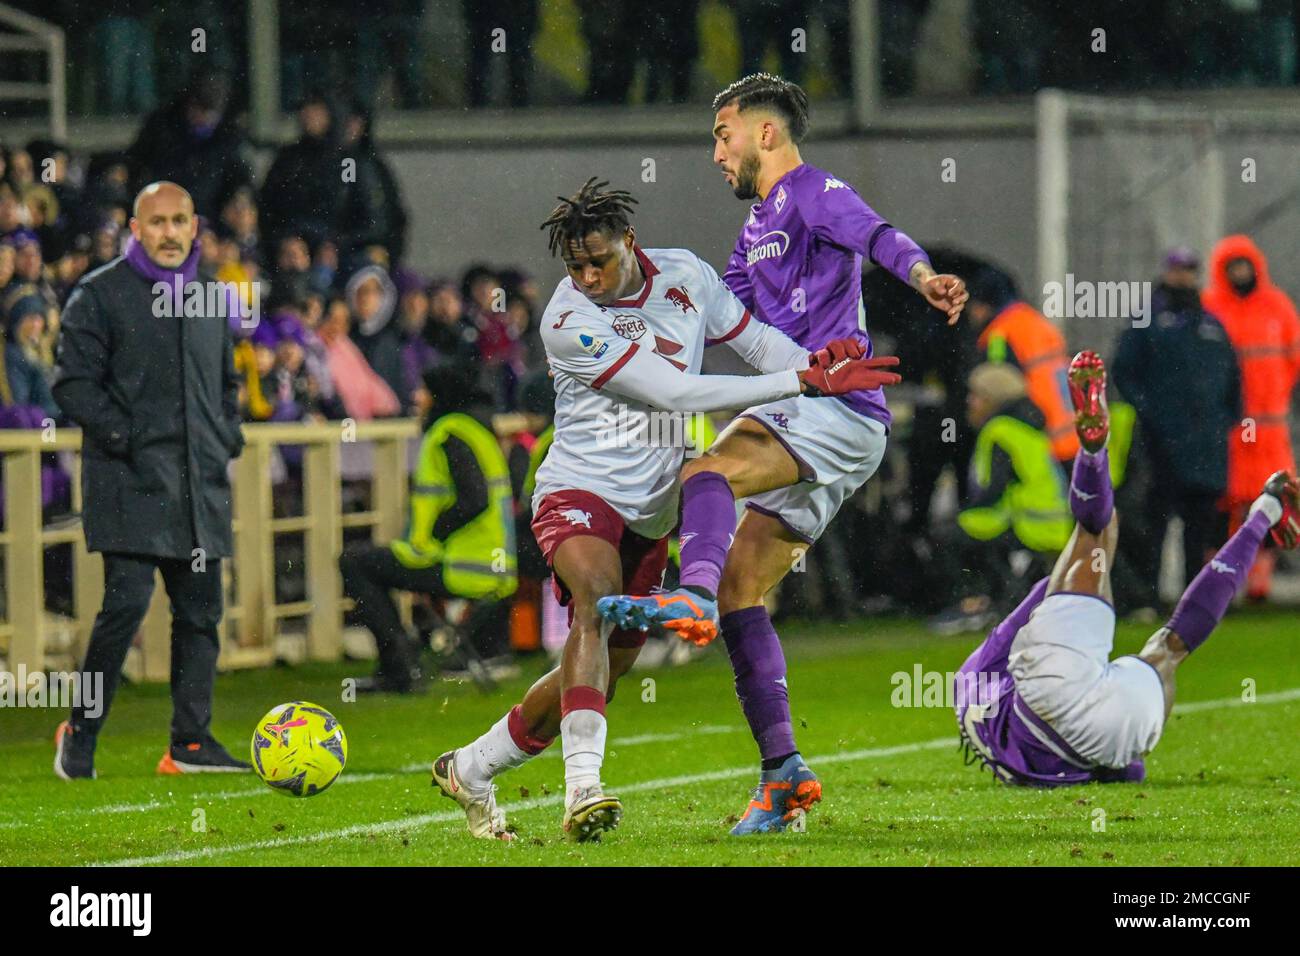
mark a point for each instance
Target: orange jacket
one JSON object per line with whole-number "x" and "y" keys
{"x": 1265, "y": 332}
{"x": 1023, "y": 335}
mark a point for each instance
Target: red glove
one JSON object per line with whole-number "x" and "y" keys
{"x": 849, "y": 375}
{"x": 835, "y": 350}
{"x": 1287, "y": 490}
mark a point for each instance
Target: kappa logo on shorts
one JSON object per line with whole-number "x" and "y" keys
{"x": 577, "y": 516}
{"x": 1222, "y": 568}
{"x": 780, "y": 419}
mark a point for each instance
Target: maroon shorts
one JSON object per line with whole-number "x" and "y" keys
{"x": 570, "y": 513}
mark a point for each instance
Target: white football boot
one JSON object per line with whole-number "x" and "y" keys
{"x": 589, "y": 812}
{"x": 482, "y": 815}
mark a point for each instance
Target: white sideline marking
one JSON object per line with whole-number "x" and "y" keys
{"x": 447, "y": 816}
{"x": 421, "y": 766}
{"x": 1276, "y": 697}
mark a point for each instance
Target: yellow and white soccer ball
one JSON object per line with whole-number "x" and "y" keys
{"x": 299, "y": 749}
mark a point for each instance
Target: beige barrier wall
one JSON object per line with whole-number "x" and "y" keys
{"x": 252, "y": 616}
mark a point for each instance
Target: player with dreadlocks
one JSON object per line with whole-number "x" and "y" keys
{"x": 793, "y": 463}
{"x": 625, "y": 334}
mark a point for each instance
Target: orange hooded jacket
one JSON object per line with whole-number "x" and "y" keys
{"x": 1265, "y": 332}
{"x": 1037, "y": 348}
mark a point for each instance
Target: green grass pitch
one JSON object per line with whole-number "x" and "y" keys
{"x": 1221, "y": 786}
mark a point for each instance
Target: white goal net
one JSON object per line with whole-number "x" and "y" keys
{"x": 1121, "y": 180}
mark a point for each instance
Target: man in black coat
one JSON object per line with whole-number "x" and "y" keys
{"x": 155, "y": 394}
{"x": 1181, "y": 375}
{"x": 194, "y": 141}
{"x": 304, "y": 190}
{"x": 371, "y": 213}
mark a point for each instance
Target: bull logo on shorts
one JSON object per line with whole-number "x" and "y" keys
{"x": 577, "y": 516}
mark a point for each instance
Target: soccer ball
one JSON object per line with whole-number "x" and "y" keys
{"x": 299, "y": 749}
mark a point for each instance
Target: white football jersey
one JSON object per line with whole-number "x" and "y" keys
{"x": 627, "y": 378}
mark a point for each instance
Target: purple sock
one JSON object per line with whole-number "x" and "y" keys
{"x": 1206, "y": 599}
{"x": 708, "y": 522}
{"x": 759, "y": 665}
{"x": 1092, "y": 499}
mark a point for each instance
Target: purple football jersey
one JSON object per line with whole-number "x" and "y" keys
{"x": 798, "y": 264}
{"x": 1016, "y": 743}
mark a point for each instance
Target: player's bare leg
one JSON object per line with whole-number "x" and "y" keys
{"x": 1206, "y": 599}
{"x": 745, "y": 460}
{"x": 1085, "y": 563}
{"x": 466, "y": 774}
{"x": 590, "y": 568}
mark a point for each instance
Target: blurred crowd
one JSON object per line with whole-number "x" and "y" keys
{"x": 398, "y": 52}
{"x": 343, "y": 329}
{"x": 327, "y": 321}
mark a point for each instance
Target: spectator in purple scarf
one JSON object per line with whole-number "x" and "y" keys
{"x": 418, "y": 353}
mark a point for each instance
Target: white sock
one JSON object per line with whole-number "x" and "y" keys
{"x": 583, "y": 735}
{"x": 493, "y": 753}
{"x": 1271, "y": 507}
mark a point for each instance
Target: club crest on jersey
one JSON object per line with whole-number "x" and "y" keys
{"x": 779, "y": 203}
{"x": 679, "y": 298}
{"x": 629, "y": 326}
{"x": 833, "y": 183}
{"x": 770, "y": 245}
{"x": 592, "y": 345}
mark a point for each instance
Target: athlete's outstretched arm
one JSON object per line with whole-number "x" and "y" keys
{"x": 643, "y": 376}
{"x": 846, "y": 220}
{"x": 765, "y": 346}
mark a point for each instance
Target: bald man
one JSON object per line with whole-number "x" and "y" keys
{"x": 155, "y": 395}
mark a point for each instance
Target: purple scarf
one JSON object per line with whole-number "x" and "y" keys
{"x": 139, "y": 260}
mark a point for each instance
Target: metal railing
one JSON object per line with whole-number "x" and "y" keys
{"x": 33, "y": 34}
{"x": 252, "y": 615}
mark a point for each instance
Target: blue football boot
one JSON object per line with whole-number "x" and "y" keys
{"x": 781, "y": 797}
{"x": 692, "y": 616}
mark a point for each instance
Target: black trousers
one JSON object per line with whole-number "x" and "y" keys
{"x": 196, "y": 602}
{"x": 369, "y": 573}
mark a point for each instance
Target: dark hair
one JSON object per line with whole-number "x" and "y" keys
{"x": 993, "y": 287}
{"x": 765, "y": 90}
{"x": 591, "y": 209}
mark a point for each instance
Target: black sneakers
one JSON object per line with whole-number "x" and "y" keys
{"x": 206, "y": 756}
{"x": 74, "y": 753}
{"x": 383, "y": 683}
